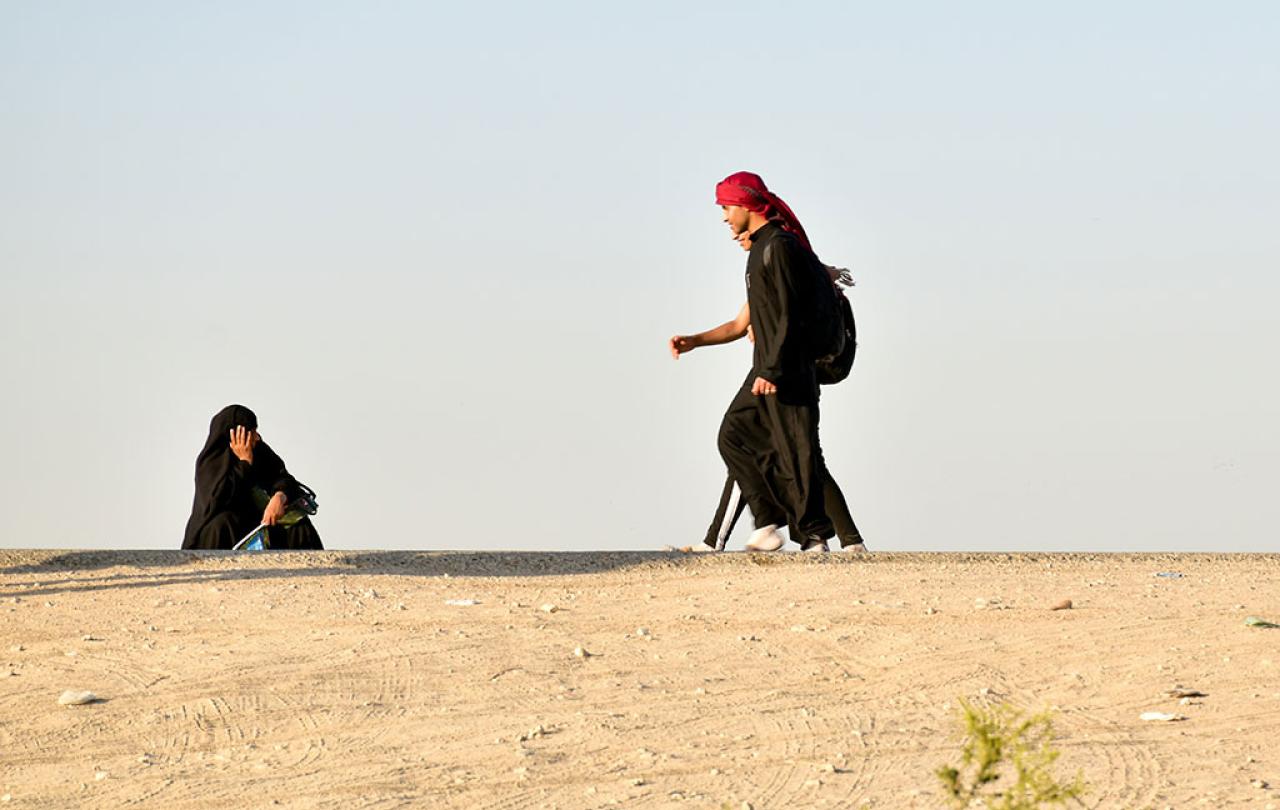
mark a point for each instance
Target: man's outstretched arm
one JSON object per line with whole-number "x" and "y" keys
{"x": 726, "y": 332}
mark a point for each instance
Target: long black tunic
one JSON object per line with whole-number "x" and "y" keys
{"x": 784, "y": 282}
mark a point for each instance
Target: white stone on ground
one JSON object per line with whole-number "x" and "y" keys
{"x": 73, "y": 698}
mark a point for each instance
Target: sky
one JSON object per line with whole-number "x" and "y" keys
{"x": 439, "y": 249}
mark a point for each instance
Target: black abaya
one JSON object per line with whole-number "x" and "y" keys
{"x": 223, "y": 510}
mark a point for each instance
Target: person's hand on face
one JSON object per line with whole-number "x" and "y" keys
{"x": 762, "y": 387}
{"x": 243, "y": 440}
{"x": 275, "y": 509}
{"x": 744, "y": 239}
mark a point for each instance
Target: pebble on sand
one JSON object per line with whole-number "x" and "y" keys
{"x": 581, "y": 652}
{"x": 1162, "y": 717}
{"x": 548, "y": 608}
{"x": 1065, "y": 604}
{"x": 72, "y": 698}
{"x": 461, "y": 602}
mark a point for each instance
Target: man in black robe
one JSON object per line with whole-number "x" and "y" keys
{"x": 732, "y": 503}
{"x": 232, "y": 465}
{"x": 769, "y": 435}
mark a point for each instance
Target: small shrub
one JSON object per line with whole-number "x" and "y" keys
{"x": 1006, "y": 762}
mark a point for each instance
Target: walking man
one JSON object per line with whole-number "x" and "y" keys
{"x": 769, "y": 435}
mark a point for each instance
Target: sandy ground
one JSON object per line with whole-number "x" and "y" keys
{"x": 349, "y": 680}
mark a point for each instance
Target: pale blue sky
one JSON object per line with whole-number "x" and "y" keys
{"x": 439, "y": 249}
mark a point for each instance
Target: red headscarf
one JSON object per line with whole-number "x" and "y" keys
{"x": 750, "y": 192}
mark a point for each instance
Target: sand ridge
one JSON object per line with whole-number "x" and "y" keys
{"x": 348, "y": 679}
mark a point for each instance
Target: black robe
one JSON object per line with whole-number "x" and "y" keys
{"x": 770, "y": 442}
{"x": 223, "y": 510}
{"x": 732, "y": 499}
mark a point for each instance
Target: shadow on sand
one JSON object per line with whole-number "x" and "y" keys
{"x": 27, "y": 574}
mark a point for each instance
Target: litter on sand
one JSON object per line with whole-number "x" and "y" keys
{"x": 1161, "y": 717}
{"x": 461, "y": 602}
{"x": 1254, "y": 621}
{"x": 1168, "y": 575}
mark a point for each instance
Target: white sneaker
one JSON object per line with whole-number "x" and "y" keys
{"x": 765, "y": 538}
{"x": 815, "y": 545}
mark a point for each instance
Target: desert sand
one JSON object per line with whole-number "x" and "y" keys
{"x": 381, "y": 680}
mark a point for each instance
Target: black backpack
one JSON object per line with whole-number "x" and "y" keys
{"x": 828, "y": 324}
{"x": 836, "y": 365}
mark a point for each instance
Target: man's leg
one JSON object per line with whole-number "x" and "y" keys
{"x": 838, "y": 511}
{"x": 745, "y": 447}
{"x": 727, "y": 513}
{"x": 793, "y": 430}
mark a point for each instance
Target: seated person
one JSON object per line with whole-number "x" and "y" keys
{"x": 234, "y": 465}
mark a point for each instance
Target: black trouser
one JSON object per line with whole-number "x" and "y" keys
{"x": 226, "y": 529}
{"x": 732, "y": 505}
{"x": 771, "y": 449}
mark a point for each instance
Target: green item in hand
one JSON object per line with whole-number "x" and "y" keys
{"x": 295, "y": 511}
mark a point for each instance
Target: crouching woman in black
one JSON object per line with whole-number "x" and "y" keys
{"x": 233, "y": 464}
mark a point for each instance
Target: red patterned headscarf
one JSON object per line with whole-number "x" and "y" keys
{"x": 750, "y": 192}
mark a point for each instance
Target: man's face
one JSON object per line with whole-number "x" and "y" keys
{"x": 736, "y": 217}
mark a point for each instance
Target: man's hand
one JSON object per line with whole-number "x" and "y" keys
{"x": 681, "y": 344}
{"x": 762, "y": 387}
{"x": 840, "y": 276}
{"x": 274, "y": 510}
{"x": 751, "y": 333}
{"x": 242, "y": 442}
